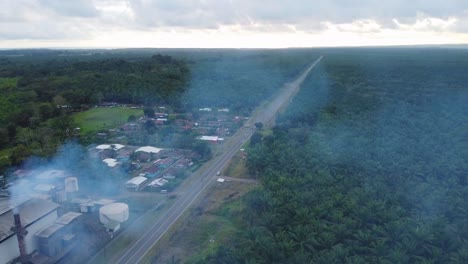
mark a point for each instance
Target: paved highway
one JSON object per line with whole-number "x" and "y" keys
{"x": 206, "y": 176}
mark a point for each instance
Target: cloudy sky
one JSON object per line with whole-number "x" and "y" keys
{"x": 230, "y": 23}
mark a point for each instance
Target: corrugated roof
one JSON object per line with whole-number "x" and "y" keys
{"x": 67, "y": 218}
{"x": 30, "y": 212}
{"x": 50, "y": 230}
{"x": 137, "y": 180}
{"x": 51, "y": 174}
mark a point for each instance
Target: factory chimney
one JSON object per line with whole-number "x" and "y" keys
{"x": 20, "y": 233}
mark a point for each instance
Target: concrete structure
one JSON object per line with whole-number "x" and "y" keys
{"x": 71, "y": 184}
{"x": 59, "y": 237}
{"x": 36, "y": 214}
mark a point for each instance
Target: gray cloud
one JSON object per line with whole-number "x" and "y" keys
{"x": 212, "y": 13}
{"x": 73, "y": 8}
{"x": 62, "y": 18}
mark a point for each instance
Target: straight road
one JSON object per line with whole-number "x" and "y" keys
{"x": 206, "y": 176}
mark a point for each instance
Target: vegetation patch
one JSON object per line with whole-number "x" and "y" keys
{"x": 237, "y": 168}
{"x": 204, "y": 228}
{"x": 8, "y": 83}
{"x": 101, "y": 118}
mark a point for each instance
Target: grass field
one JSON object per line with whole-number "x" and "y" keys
{"x": 103, "y": 118}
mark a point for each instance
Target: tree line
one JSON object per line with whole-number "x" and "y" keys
{"x": 38, "y": 94}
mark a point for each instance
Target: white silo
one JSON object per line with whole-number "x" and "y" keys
{"x": 114, "y": 212}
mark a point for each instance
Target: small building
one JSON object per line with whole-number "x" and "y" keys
{"x": 149, "y": 149}
{"x": 159, "y": 182}
{"x": 110, "y": 146}
{"x": 136, "y": 183}
{"x": 205, "y": 109}
{"x": 152, "y": 171}
{"x": 212, "y": 139}
{"x": 110, "y": 162}
{"x": 50, "y": 240}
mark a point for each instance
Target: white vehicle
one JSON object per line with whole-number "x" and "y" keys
{"x": 218, "y": 173}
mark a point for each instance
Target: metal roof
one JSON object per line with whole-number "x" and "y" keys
{"x": 30, "y": 212}
{"x": 136, "y": 180}
{"x": 50, "y": 230}
{"x": 148, "y": 149}
{"x": 67, "y": 218}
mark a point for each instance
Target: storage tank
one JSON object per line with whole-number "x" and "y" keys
{"x": 71, "y": 184}
{"x": 116, "y": 212}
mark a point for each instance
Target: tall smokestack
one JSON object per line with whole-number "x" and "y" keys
{"x": 20, "y": 233}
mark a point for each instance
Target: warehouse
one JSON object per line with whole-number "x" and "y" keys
{"x": 35, "y": 215}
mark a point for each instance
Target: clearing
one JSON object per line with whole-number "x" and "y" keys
{"x": 101, "y": 118}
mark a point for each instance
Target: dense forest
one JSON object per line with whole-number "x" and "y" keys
{"x": 367, "y": 165}
{"x": 39, "y": 91}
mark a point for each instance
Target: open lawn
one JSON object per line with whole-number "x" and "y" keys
{"x": 104, "y": 117}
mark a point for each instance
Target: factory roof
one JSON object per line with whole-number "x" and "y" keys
{"x": 67, "y": 218}
{"x": 30, "y": 211}
{"x": 51, "y": 174}
{"x": 43, "y": 187}
{"x": 6, "y": 204}
{"x": 50, "y": 230}
{"x": 148, "y": 149}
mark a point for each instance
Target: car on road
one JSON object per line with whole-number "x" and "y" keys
{"x": 218, "y": 173}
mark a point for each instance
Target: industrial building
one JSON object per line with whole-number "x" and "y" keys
{"x": 34, "y": 215}
{"x": 58, "y": 238}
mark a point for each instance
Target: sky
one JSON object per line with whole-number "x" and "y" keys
{"x": 230, "y": 23}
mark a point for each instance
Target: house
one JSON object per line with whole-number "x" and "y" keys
{"x": 110, "y": 162}
{"x": 149, "y": 149}
{"x": 152, "y": 171}
{"x": 206, "y": 109}
{"x": 212, "y": 139}
{"x": 159, "y": 182}
{"x": 164, "y": 163}
{"x": 136, "y": 183}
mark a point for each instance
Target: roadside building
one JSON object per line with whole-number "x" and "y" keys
{"x": 212, "y": 139}
{"x": 136, "y": 183}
